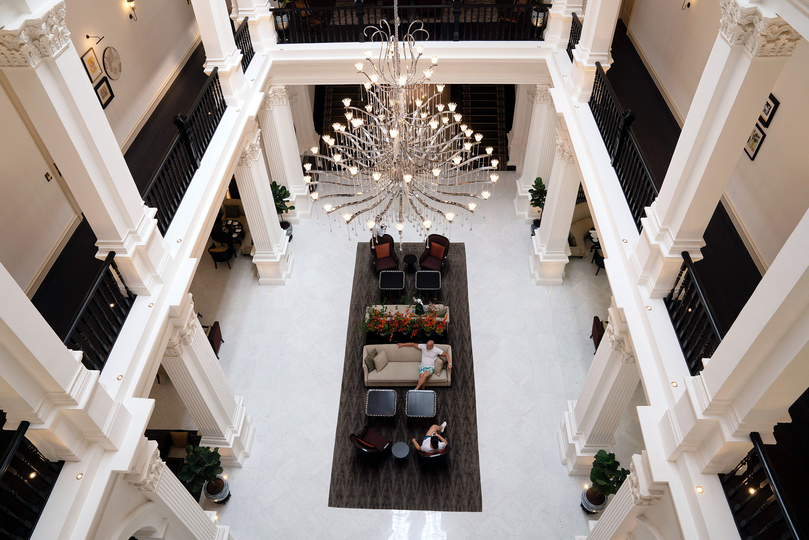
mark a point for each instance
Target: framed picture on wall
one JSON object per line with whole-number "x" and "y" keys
{"x": 770, "y": 106}
{"x": 91, "y": 65}
{"x": 754, "y": 142}
{"x": 104, "y": 92}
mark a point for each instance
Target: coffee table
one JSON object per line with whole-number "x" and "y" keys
{"x": 380, "y": 402}
{"x": 420, "y": 403}
{"x": 410, "y": 260}
{"x": 391, "y": 280}
{"x": 428, "y": 280}
{"x": 400, "y": 450}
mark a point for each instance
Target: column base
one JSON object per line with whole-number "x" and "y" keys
{"x": 231, "y": 76}
{"x": 546, "y": 268}
{"x": 299, "y": 198}
{"x": 274, "y": 268}
{"x": 522, "y": 204}
{"x": 238, "y": 441}
{"x": 575, "y": 453}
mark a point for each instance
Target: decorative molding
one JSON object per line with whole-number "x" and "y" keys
{"x": 153, "y": 472}
{"x": 542, "y": 94}
{"x": 185, "y": 335}
{"x": 251, "y": 153}
{"x": 564, "y": 151}
{"x": 277, "y": 96}
{"x": 618, "y": 344}
{"x": 35, "y": 39}
{"x": 638, "y": 497}
{"x": 759, "y": 35}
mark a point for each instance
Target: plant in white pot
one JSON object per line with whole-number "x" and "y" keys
{"x": 606, "y": 478}
{"x": 202, "y": 470}
{"x": 538, "y": 193}
{"x": 280, "y": 195}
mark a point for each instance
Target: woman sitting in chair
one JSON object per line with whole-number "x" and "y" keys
{"x": 433, "y": 443}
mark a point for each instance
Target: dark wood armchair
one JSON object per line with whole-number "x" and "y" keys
{"x": 383, "y": 251}
{"x": 369, "y": 442}
{"x": 435, "y": 253}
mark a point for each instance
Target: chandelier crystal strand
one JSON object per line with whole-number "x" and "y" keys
{"x": 403, "y": 154}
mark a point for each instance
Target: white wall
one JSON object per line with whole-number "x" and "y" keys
{"x": 676, "y": 43}
{"x": 34, "y": 214}
{"x": 771, "y": 194}
{"x": 150, "y": 48}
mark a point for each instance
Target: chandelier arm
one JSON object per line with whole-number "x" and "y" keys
{"x": 454, "y": 203}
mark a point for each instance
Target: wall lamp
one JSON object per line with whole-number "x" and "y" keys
{"x": 686, "y": 5}
{"x": 133, "y": 15}
{"x": 99, "y": 38}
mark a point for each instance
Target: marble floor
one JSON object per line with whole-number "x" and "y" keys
{"x": 284, "y": 350}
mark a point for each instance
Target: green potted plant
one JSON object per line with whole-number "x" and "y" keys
{"x": 538, "y": 193}
{"x": 202, "y": 470}
{"x": 606, "y": 478}
{"x": 280, "y": 195}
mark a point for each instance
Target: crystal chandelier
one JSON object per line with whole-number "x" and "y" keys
{"x": 403, "y": 155}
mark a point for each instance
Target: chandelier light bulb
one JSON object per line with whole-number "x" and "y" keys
{"x": 478, "y": 137}
{"x": 472, "y": 206}
{"x": 357, "y": 122}
{"x": 469, "y": 132}
{"x": 434, "y": 124}
{"x": 314, "y": 195}
{"x": 328, "y": 208}
{"x": 489, "y": 150}
{"x": 368, "y": 55}
{"x": 419, "y": 103}
{"x": 440, "y": 87}
{"x": 307, "y": 166}
{"x": 440, "y": 107}
{"x": 307, "y": 178}
{"x": 485, "y": 195}
{"x": 436, "y": 172}
{"x": 353, "y": 171}
{"x": 349, "y": 116}
{"x": 495, "y": 163}
{"x": 313, "y": 150}
{"x": 434, "y": 60}
{"x": 347, "y": 217}
{"x": 330, "y": 141}
{"x": 370, "y": 224}
{"x": 457, "y": 117}
{"x": 347, "y": 102}
{"x": 456, "y": 160}
{"x": 445, "y": 119}
{"x": 402, "y": 80}
{"x": 424, "y": 115}
{"x": 450, "y": 216}
{"x": 407, "y": 178}
{"x": 452, "y": 106}
{"x": 374, "y": 78}
{"x": 377, "y": 176}
{"x": 369, "y": 107}
{"x": 494, "y": 178}
{"x": 359, "y": 66}
{"x": 394, "y": 133}
{"x": 463, "y": 127}
{"x": 338, "y": 157}
{"x": 428, "y": 73}
{"x": 427, "y": 224}
{"x": 336, "y": 126}
{"x": 419, "y": 49}
{"x": 367, "y": 85}
{"x": 467, "y": 146}
{"x": 399, "y": 226}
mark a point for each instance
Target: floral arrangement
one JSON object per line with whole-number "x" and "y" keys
{"x": 378, "y": 320}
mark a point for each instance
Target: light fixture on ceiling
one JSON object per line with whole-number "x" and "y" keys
{"x": 403, "y": 148}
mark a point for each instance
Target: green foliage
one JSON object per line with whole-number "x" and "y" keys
{"x": 201, "y": 465}
{"x": 538, "y": 193}
{"x": 280, "y": 195}
{"x": 605, "y": 474}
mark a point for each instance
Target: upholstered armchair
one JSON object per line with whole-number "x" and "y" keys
{"x": 435, "y": 253}
{"x": 383, "y": 251}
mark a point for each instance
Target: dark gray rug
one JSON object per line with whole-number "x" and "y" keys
{"x": 388, "y": 483}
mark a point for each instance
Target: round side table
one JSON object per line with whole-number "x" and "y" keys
{"x": 400, "y": 450}
{"x": 410, "y": 261}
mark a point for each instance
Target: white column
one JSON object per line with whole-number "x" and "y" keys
{"x": 186, "y": 518}
{"x": 594, "y": 46}
{"x": 302, "y": 101}
{"x": 271, "y": 255}
{"x": 44, "y": 383}
{"x": 560, "y": 18}
{"x": 47, "y": 75}
{"x": 281, "y": 148}
{"x": 540, "y": 149}
{"x": 635, "y": 497}
{"x": 758, "y": 371}
{"x": 590, "y": 422}
{"x": 521, "y": 123}
{"x": 262, "y": 29}
{"x": 220, "y": 47}
{"x": 745, "y": 62}
{"x": 195, "y": 371}
{"x": 549, "y": 257}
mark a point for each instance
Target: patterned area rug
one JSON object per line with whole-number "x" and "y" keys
{"x": 388, "y": 483}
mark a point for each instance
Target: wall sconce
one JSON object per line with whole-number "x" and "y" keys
{"x": 99, "y": 38}
{"x": 686, "y": 5}
{"x": 133, "y": 15}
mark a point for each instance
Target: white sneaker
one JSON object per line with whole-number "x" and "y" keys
{"x": 443, "y": 426}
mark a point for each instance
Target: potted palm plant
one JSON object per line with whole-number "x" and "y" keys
{"x": 202, "y": 470}
{"x": 538, "y": 193}
{"x": 606, "y": 478}
{"x": 280, "y": 195}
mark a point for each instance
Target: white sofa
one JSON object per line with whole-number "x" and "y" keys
{"x": 403, "y": 367}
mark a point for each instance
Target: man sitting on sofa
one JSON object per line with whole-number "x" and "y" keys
{"x": 429, "y": 352}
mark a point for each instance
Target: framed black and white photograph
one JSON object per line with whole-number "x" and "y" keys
{"x": 769, "y": 111}
{"x": 104, "y": 92}
{"x": 754, "y": 142}
{"x": 112, "y": 63}
{"x": 91, "y": 65}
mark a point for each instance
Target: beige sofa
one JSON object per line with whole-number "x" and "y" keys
{"x": 403, "y": 367}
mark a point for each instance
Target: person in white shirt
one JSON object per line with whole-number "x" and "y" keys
{"x": 429, "y": 352}
{"x": 433, "y": 442}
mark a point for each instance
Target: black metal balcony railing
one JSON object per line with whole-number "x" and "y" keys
{"x": 575, "y": 35}
{"x": 26, "y": 481}
{"x": 692, "y": 317}
{"x": 102, "y": 314}
{"x": 451, "y": 22}
{"x": 758, "y": 506}
{"x": 242, "y": 38}
{"x": 614, "y": 124}
{"x": 181, "y": 161}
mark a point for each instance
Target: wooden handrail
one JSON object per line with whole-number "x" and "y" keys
{"x": 88, "y": 297}
{"x": 709, "y": 311}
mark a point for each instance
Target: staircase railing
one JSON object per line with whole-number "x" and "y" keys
{"x": 169, "y": 184}
{"x": 451, "y": 22}
{"x": 630, "y": 167}
{"x": 242, "y": 38}
{"x": 758, "y": 506}
{"x": 26, "y": 481}
{"x": 102, "y": 314}
{"x": 575, "y": 35}
{"x": 692, "y": 317}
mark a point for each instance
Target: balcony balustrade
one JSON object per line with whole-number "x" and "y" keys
{"x": 575, "y": 35}
{"x": 242, "y": 38}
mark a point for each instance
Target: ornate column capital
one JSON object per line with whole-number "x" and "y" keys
{"x": 277, "y": 96}
{"x": 149, "y": 480}
{"x": 251, "y": 153}
{"x": 564, "y": 151}
{"x": 759, "y": 35}
{"x": 185, "y": 335}
{"x": 639, "y": 498}
{"x": 35, "y": 39}
{"x": 542, "y": 94}
{"x": 619, "y": 344}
